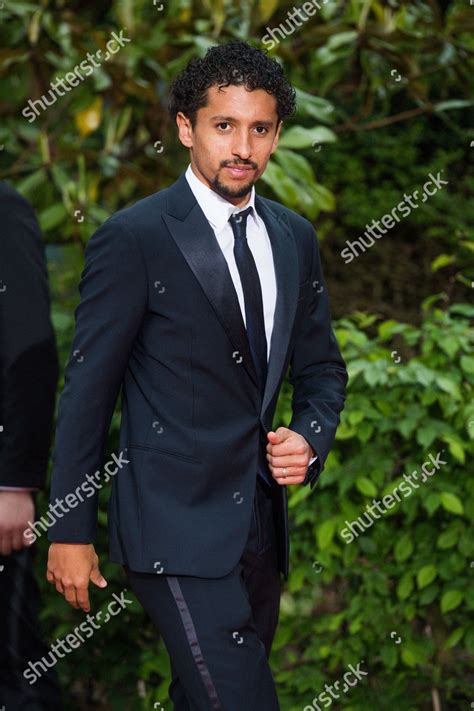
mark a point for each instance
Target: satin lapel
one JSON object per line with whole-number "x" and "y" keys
{"x": 285, "y": 260}
{"x": 198, "y": 244}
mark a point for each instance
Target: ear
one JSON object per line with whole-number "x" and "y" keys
{"x": 185, "y": 130}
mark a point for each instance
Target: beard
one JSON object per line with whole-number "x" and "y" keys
{"x": 228, "y": 192}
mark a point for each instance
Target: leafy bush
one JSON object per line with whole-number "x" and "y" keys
{"x": 399, "y": 595}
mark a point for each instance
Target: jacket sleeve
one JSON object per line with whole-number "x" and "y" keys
{"x": 317, "y": 371}
{"x": 28, "y": 355}
{"x": 114, "y": 297}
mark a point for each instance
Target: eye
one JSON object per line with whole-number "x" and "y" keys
{"x": 264, "y": 129}
{"x": 223, "y": 123}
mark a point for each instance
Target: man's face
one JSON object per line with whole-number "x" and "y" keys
{"x": 233, "y": 139}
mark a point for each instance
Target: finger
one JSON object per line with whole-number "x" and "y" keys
{"x": 283, "y": 433}
{"x": 284, "y": 481}
{"x": 285, "y": 448}
{"x": 274, "y": 438}
{"x": 289, "y": 461}
{"x": 297, "y": 461}
{"x": 285, "y": 472}
{"x": 17, "y": 540}
{"x": 97, "y": 577}
{"x": 6, "y": 544}
{"x": 59, "y": 586}
{"x": 290, "y": 475}
{"x": 50, "y": 577}
{"x": 83, "y": 598}
{"x": 285, "y": 445}
{"x": 70, "y": 595}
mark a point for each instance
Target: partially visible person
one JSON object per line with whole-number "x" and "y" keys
{"x": 28, "y": 380}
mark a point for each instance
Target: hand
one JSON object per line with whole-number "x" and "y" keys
{"x": 16, "y": 509}
{"x": 70, "y": 568}
{"x": 288, "y": 449}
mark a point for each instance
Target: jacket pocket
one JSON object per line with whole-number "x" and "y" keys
{"x": 166, "y": 452}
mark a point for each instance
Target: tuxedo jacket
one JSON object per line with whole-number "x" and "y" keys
{"x": 159, "y": 318}
{"x": 28, "y": 357}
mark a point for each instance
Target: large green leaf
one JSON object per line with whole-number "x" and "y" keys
{"x": 301, "y": 137}
{"x": 451, "y": 502}
{"x": 426, "y": 575}
{"x": 403, "y": 548}
{"x": 366, "y": 486}
{"x": 325, "y": 533}
{"x": 451, "y": 600}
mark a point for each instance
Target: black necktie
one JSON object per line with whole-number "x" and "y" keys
{"x": 249, "y": 278}
{"x": 254, "y": 319}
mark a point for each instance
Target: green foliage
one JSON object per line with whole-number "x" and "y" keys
{"x": 398, "y": 596}
{"x": 409, "y": 574}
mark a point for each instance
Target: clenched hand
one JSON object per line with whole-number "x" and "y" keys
{"x": 289, "y": 450}
{"x": 16, "y": 509}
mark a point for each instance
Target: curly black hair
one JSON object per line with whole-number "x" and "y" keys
{"x": 235, "y": 63}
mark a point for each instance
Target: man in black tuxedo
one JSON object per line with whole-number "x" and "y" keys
{"x": 196, "y": 300}
{"x": 28, "y": 379}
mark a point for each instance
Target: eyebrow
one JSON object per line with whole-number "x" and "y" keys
{"x": 234, "y": 120}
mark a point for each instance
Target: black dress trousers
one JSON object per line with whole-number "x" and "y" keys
{"x": 218, "y": 631}
{"x": 20, "y": 638}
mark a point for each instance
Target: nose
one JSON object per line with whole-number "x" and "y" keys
{"x": 241, "y": 147}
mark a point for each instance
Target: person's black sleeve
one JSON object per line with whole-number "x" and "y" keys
{"x": 28, "y": 354}
{"x": 317, "y": 372}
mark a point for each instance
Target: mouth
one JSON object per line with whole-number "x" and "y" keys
{"x": 239, "y": 171}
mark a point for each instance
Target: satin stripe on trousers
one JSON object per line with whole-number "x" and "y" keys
{"x": 219, "y": 631}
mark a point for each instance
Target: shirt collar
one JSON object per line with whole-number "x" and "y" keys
{"x": 216, "y": 208}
